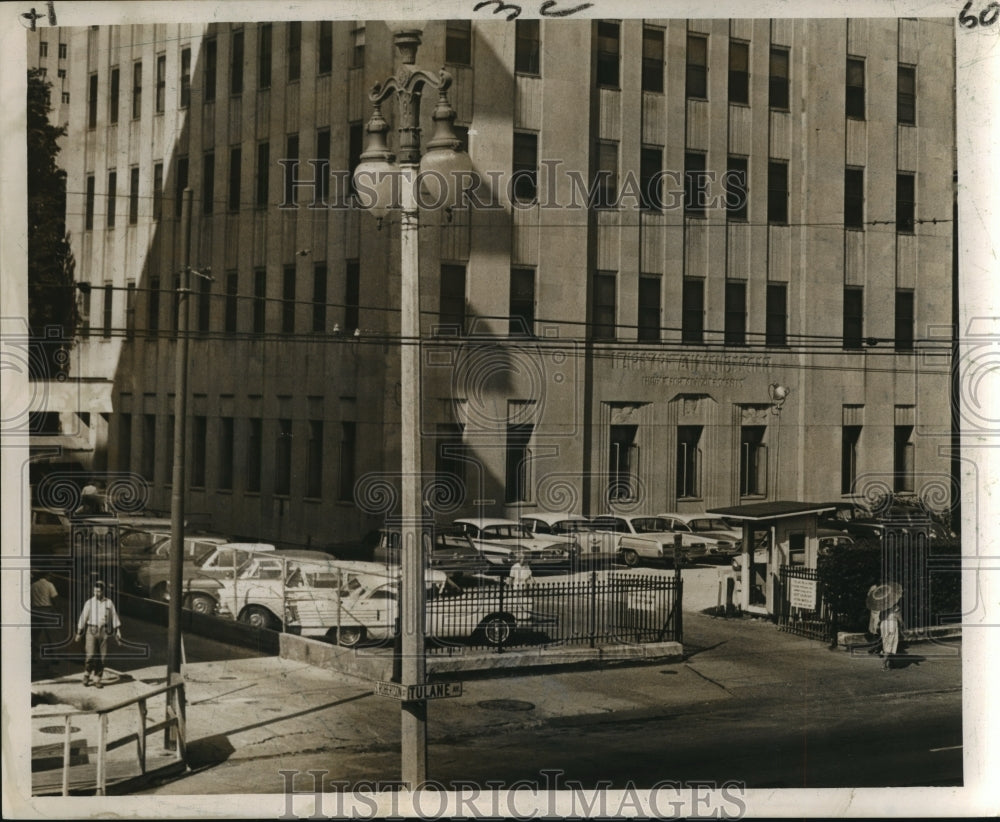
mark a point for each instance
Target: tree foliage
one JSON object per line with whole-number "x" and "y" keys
{"x": 846, "y": 575}
{"x": 51, "y": 292}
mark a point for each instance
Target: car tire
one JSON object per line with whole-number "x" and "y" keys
{"x": 159, "y": 592}
{"x": 200, "y": 603}
{"x": 496, "y": 629}
{"x": 630, "y": 557}
{"x": 347, "y": 637}
{"x": 259, "y": 617}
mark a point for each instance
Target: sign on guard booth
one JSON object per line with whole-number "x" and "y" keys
{"x": 413, "y": 693}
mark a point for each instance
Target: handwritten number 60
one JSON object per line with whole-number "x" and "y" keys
{"x": 987, "y": 17}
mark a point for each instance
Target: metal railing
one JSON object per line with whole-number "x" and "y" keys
{"x": 801, "y": 608}
{"x": 173, "y": 726}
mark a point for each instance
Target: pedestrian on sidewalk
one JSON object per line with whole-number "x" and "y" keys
{"x": 43, "y": 612}
{"x": 873, "y": 634}
{"x": 98, "y": 619}
{"x": 886, "y": 598}
{"x": 520, "y": 572}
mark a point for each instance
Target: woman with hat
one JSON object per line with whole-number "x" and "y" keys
{"x": 885, "y": 599}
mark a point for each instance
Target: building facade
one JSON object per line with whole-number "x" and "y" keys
{"x": 708, "y": 262}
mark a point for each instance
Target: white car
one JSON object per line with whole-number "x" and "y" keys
{"x": 501, "y": 540}
{"x": 722, "y": 541}
{"x": 644, "y": 537}
{"x": 589, "y": 543}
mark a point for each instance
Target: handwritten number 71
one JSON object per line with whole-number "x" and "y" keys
{"x": 987, "y": 17}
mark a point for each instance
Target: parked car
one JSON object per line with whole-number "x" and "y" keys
{"x": 588, "y": 542}
{"x": 501, "y": 540}
{"x": 830, "y": 540}
{"x": 207, "y": 559}
{"x": 447, "y": 549}
{"x": 366, "y": 608}
{"x": 49, "y": 531}
{"x": 722, "y": 540}
{"x": 644, "y": 537}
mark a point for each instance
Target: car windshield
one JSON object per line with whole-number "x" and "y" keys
{"x": 201, "y": 555}
{"x": 650, "y": 525}
{"x": 709, "y": 524}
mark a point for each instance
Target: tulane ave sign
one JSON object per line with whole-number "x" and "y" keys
{"x": 414, "y": 693}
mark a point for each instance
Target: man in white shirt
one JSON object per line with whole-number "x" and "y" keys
{"x": 520, "y": 572}
{"x": 98, "y": 620}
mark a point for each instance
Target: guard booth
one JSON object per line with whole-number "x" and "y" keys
{"x": 774, "y": 534}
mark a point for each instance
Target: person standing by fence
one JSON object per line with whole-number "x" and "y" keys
{"x": 99, "y": 619}
{"x": 520, "y": 572}
{"x": 43, "y": 612}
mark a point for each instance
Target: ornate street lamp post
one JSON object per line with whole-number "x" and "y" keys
{"x": 382, "y": 186}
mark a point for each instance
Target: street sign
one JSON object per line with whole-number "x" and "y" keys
{"x": 414, "y": 693}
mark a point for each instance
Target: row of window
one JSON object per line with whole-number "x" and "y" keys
{"x": 245, "y": 438}
{"x": 43, "y": 49}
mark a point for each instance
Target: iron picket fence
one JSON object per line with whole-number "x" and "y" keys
{"x": 596, "y": 608}
{"x": 801, "y": 608}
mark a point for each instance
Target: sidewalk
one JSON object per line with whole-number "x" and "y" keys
{"x": 254, "y": 714}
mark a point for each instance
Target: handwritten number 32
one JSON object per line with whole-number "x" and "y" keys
{"x": 987, "y": 17}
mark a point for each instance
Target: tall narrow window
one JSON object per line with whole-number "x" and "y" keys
{"x": 777, "y": 192}
{"x": 232, "y": 301}
{"x": 739, "y": 72}
{"x": 259, "y": 299}
{"x": 650, "y": 178}
{"x": 235, "y": 170}
{"x": 449, "y": 468}
{"x": 92, "y": 102}
{"x": 263, "y": 172}
{"x": 153, "y": 304}
{"x": 527, "y": 47}
{"x": 854, "y": 299}
{"x": 696, "y": 183}
{"x": 43, "y": 48}
{"x": 161, "y": 82}
{"x": 325, "y": 64}
{"x": 850, "y": 437}
{"x": 348, "y": 449}
{"x": 607, "y": 175}
{"x": 199, "y": 441}
{"x": 168, "y": 443}
{"x": 130, "y": 309}
{"x": 136, "y": 89}
{"x": 226, "y": 444}
{"x": 264, "y": 55}
{"x": 63, "y": 48}
{"x": 649, "y": 308}
{"x": 181, "y": 180}
{"x": 352, "y": 295}
{"x": 208, "y": 183}
{"x": 776, "y": 328}
{"x": 689, "y": 461}
{"x": 522, "y": 301}
{"x": 294, "y": 50}
{"x": 109, "y": 304}
{"x": 854, "y": 198}
{"x": 322, "y": 164}
{"x": 204, "y": 304}
{"x": 652, "y": 60}
{"x": 518, "y": 467}
{"x": 283, "y": 458}
{"x": 623, "y": 462}
{"x": 458, "y": 42}
{"x": 604, "y": 322}
{"x": 291, "y": 171}
{"x": 452, "y": 299}
{"x": 906, "y": 95}
{"x": 236, "y": 63}
{"x": 355, "y": 146}
{"x": 211, "y": 58}
{"x": 148, "y": 460}
{"x": 736, "y": 312}
{"x": 904, "y": 320}
{"x": 319, "y": 299}
{"x": 905, "y": 203}
{"x": 778, "y": 80}
{"x": 855, "y": 91}
{"x": 88, "y": 216}
{"x": 358, "y": 51}
{"x": 314, "y": 460}
{"x": 124, "y": 442}
{"x": 737, "y": 188}
{"x": 696, "y": 76}
{"x": 288, "y": 300}
{"x": 185, "y": 78}
{"x": 157, "y": 193}
{"x": 525, "y": 167}
{"x": 255, "y": 446}
{"x": 693, "y": 310}
{"x": 753, "y": 461}
{"x": 133, "y": 195}
{"x": 112, "y": 197}
{"x": 114, "y": 92}
{"x": 902, "y": 461}
{"x": 608, "y": 50}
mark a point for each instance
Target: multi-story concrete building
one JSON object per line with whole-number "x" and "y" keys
{"x": 710, "y": 261}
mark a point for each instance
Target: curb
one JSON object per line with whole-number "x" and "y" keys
{"x": 847, "y": 640}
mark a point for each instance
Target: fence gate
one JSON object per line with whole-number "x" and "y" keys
{"x": 801, "y": 608}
